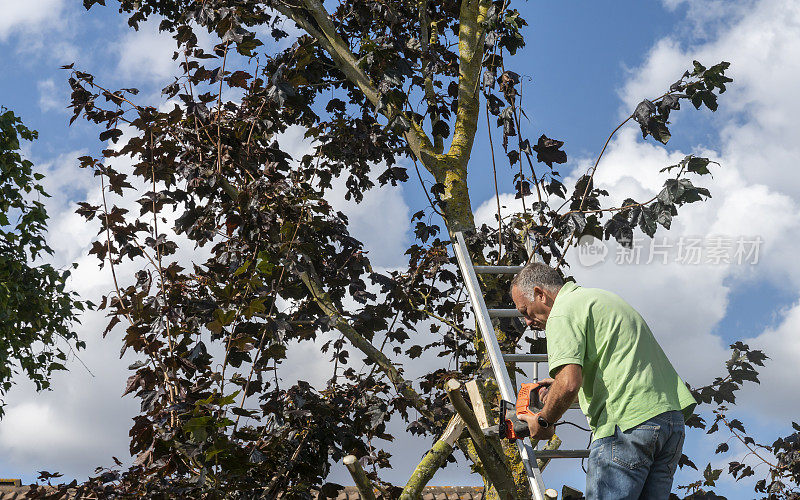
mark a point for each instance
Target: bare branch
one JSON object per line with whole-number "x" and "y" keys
{"x": 553, "y": 444}
{"x": 365, "y": 489}
{"x": 434, "y": 459}
{"x": 324, "y": 302}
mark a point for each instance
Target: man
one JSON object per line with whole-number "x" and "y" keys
{"x": 601, "y": 350}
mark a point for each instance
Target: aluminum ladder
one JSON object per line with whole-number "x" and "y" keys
{"x": 498, "y": 360}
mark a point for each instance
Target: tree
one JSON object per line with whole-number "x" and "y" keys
{"x": 212, "y": 335}
{"x": 781, "y": 479}
{"x": 37, "y": 310}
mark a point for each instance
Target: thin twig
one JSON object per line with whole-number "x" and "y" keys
{"x": 419, "y": 176}
{"x": 496, "y": 190}
{"x": 234, "y": 323}
{"x": 172, "y": 389}
{"x": 108, "y": 247}
{"x": 591, "y": 178}
{"x": 728, "y": 425}
{"x": 219, "y": 108}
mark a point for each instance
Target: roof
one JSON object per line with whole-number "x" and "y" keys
{"x": 13, "y": 492}
{"x": 429, "y": 493}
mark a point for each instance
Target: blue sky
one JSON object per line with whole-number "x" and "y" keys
{"x": 589, "y": 63}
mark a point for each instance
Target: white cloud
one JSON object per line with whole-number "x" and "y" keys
{"x": 774, "y": 397}
{"x": 51, "y": 98}
{"x": 381, "y": 220}
{"x": 82, "y": 422}
{"x": 28, "y": 16}
{"x": 40, "y": 29}
{"x": 758, "y": 113}
{"x": 145, "y": 55}
{"x": 705, "y": 19}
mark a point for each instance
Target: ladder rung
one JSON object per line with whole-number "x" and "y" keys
{"x": 525, "y": 358}
{"x": 497, "y": 269}
{"x": 504, "y": 313}
{"x": 545, "y": 454}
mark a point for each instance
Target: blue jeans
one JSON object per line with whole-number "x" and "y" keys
{"x": 638, "y": 463}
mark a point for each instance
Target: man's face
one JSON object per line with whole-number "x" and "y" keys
{"x": 534, "y": 311}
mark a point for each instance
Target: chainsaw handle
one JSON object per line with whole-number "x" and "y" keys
{"x": 518, "y": 429}
{"x": 528, "y": 401}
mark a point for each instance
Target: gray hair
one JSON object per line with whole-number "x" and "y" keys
{"x": 537, "y": 274}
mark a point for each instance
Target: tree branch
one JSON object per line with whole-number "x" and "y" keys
{"x": 434, "y": 459}
{"x": 325, "y": 32}
{"x": 553, "y": 444}
{"x": 470, "y": 50}
{"x": 325, "y": 303}
{"x": 426, "y": 39}
{"x": 493, "y": 463}
{"x": 363, "y": 483}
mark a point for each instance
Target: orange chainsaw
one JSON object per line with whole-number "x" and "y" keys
{"x": 528, "y": 403}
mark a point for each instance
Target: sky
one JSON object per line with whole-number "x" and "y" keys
{"x": 585, "y": 67}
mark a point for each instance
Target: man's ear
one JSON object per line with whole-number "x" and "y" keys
{"x": 538, "y": 294}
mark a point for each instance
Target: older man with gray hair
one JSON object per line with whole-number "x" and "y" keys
{"x": 602, "y": 351}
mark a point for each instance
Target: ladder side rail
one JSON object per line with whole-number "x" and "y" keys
{"x": 507, "y": 390}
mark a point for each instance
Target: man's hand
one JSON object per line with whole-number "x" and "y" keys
{"x": 536, "y": 430}
{"x": 544, "y": 389}
{"x": 561, "y": 392}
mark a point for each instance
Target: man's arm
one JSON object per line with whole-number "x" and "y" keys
{"x": 560, "y": 395}
{"x": 562, "y": 392}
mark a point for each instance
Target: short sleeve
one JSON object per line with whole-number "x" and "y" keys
{"x": 566, "y": 342}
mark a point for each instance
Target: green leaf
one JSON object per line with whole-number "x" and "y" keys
{"x": 698, "y": 165}
{"x": 229, "y": 399}
{"x": 711, "y": 475}
{"x": 242, "y": 269}
{"x": 197, "y": 428}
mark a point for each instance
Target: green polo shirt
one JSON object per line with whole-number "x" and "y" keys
{"x": 627, "y": 378}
